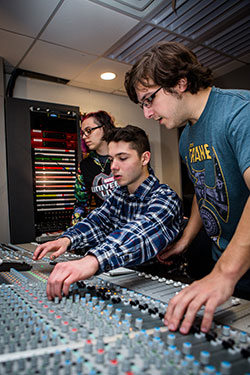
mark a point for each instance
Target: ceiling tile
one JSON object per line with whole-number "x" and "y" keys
{"x": 25, "y": 16}
{"x": 78, "y": 23}
{"x": 13, "y": 46}
{"x": 134, "y": 7}
{"x": 57, "y": 61}
{"x": 91, "y": 75}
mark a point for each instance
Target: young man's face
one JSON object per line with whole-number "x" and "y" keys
{"x": 128, "y": 168}
{"x": 168, "y": 109}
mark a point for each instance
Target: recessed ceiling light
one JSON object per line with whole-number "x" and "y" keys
{"x": 108, "y": 76}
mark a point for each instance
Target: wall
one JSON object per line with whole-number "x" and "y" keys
{"x": 124, "y": 111}
{"x": 4, "y": 221}
{"x": 237, "y": 79}
{"x": 165, "y": 156}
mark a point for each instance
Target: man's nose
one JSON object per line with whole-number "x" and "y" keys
{"x": 148, "y": 112}
{"x": 114, "y": 165}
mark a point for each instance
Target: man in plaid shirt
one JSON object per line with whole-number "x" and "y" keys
{"x": 140, "y": 219}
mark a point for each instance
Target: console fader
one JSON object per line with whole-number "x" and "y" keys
{"x": 111, "y": 325}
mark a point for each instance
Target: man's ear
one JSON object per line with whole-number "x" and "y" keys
{"x": 146, "y": 157}
{"x": 182, "y": 84}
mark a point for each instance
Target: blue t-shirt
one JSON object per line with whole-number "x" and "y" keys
{"x": 216, "y": 150}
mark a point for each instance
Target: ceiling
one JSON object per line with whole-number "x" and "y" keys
{"x": 77, "y": 40}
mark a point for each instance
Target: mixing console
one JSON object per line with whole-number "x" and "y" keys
{"x": 111, "y": 325}
{"x": 11, "y": 259}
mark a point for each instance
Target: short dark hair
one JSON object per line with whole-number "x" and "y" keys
{"x": 137, "y": 138}
{"x": 101, "y": 118}
{"x": 166, "y": 63}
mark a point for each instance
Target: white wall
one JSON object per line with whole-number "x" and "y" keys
{"x": 164, "y": 144}
{"x": 124, "y": 111}
{"x": 165, "y": 155}
{"x": 4, "y": 213}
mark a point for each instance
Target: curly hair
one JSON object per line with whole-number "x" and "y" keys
{"x": 165, "y": 64}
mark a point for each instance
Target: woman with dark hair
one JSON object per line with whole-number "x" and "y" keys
{"x": 94, "y": 181}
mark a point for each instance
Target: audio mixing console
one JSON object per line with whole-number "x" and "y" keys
{"x": 111, "y": 325}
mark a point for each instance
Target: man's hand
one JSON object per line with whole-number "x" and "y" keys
{"x": 211, "y": 291}
{"x": 66, "y": 273}
{"x": 193, "y": 227}
{"x": 58, "y": 247}
{"x": 174, "y": 248}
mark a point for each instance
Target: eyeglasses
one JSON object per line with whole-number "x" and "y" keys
{"x": 86, "y": 132}
{"x": 148, "y": 101}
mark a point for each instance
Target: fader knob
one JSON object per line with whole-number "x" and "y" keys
{"x": 225, "y": 368}
{"x": 100, "y": 356}
{"x": 209, "y": 370}
{"x": 204, "y": 357}
{"x": 138, "y": 323}
{"x": 171, "y": 339}
{"x": 88, "y": 347}
{"x": 186, "y": 348}
{"x": 243, "y": 337}
{"x": 113, "y": 367}
{"x": 226, "y": 330}
{"x": 190, "y": 360}
{"x": 67, "y": 367}
{"x": 118, "y": 312}
{"x": 79, "y": 365}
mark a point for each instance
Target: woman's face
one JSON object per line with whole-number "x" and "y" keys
{"x": 92, "y": 138}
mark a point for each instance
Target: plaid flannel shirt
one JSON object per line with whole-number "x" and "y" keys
{"x": 129, "y": 229}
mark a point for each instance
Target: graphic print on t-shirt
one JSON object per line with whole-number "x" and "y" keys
{"x": 210, "y": 190}
{"x": 103, "y": 185}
